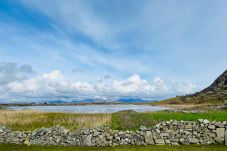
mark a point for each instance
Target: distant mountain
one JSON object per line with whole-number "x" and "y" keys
{"x": 121, "y": 100}
{"x": 89, "y": 101}
{"x": 216, "y": 93}
{"x": 84, "y": 101}
{"x": 132, "y": 100}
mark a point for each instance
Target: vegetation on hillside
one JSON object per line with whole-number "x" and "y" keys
{"x": 204, "y": 99}
{"x": 215, "y": 94}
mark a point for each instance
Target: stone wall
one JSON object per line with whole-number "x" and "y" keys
{"x": 168, "y": 132}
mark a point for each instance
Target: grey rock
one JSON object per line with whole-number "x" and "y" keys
{"x": 212, "y": 127}
{"x": 205, "y": 121}
{"x": 193, "y": 140}
{"x": 159, "y": 141}
{"x": 142, "y": 128}
{"x": 149, "y": 138}
{"x": 188, "y": 126}
{"x": 220, "y": 132}
{"x": 87, "y": 141}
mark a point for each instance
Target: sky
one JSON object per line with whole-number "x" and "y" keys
{"x": 86, "y": 49}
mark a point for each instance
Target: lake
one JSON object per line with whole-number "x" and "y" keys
{"x": 90, "y": 108}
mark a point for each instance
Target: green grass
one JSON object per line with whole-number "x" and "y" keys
{"x": 11, "y": 147}
{"x": 132, "y": 120}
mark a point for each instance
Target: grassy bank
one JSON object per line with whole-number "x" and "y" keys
{"x": 5, "y": 147}
{"x": 132, "y": 120}
{"x": 204, "y": 99}
{"x": 128, "y": 120}
{"x": 30, "y": 120}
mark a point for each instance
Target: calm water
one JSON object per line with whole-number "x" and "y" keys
{"x": 91, "y": 108}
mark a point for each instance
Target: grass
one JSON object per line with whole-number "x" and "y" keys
{"x": 11, "y": 147}
{"x": 30, "y": 120}
{"x": 126, "y": 120}
{"x": 133, "y": 120}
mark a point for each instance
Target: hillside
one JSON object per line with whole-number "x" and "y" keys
{"x": 216, "y": 93}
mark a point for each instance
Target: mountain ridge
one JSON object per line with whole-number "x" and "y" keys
{"x": 216, "y": 93}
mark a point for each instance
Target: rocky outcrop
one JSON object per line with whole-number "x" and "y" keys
{"x": 217, "y": 91}
{"x": 215, "y": 94}
{"x": 169, "y": 132}
{"x": 219, "y": 84}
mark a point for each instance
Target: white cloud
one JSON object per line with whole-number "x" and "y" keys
{"x": 133, "y": 85}
{"x": 186, "y": 87}
{"x": 10, "y": 71}
{"x": 54, "y": 85}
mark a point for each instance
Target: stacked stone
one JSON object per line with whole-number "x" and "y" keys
{"x": 169, "y": 132}
{"x": 13, "y": 137}
{"x": 188, "y": 132}
{"x": 49, "y": 136}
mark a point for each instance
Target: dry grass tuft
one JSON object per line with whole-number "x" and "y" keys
{"x": 30, "y": 120}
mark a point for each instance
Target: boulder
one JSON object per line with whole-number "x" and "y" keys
{"x": 149, "y": 138}
{"x": 87, "y": 140}
{"x": 220, "y": 132}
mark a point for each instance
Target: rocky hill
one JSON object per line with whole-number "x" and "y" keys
{"x": 218, "y": 86}
{"x": 216, "y": 93}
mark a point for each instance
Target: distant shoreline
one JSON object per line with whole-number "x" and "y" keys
{"x": 73, "y": 104}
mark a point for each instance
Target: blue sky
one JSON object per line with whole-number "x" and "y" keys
{"x": 109, "y": 49}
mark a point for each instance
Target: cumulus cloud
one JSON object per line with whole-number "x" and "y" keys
{"x": 133, "y": 85}
{"x": 10, "y": 72}
{"x": 186, "y": 87}
{"x": 54, "y": 85}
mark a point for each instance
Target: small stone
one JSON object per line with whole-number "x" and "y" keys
{"x": 193, "y": 140}
{"x": 164, "y": 134}
{"x": 181, "y": 140}
{"x": 159, "y": 141}
{"x": 205, "y": 121}
{"x": 142, "y": 128}
{"x": 167, "y": 141}
{"x": 212, "y": 127}
{"x": 26, "y": 142}
{"x": 189, "y": 126}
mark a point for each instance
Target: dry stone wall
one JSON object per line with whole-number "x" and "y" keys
{"x": 168, "y": 132}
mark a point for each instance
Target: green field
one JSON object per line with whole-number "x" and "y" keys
{"x": 10, "y": 147}
{"x": 127, "y": 120}
{"x": 132, "y": 120}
